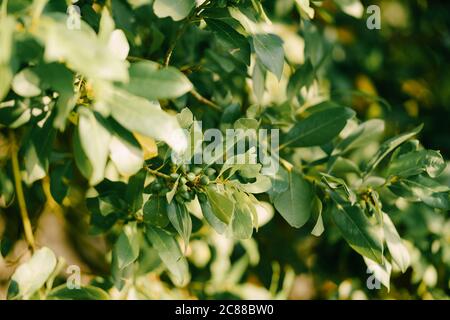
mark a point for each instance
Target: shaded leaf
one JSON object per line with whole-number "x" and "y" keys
{"x": 296, "y": 203}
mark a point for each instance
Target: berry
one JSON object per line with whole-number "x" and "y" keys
{"x": 183, "y": 180}
{"x": 174, "y": 176}
{"x": 197, "y": 170}
{"x": 210, "y": 172}
{"x": 156, "y": 186}
{"x": 191, "y": 176}
{"x": 204, "y": 180}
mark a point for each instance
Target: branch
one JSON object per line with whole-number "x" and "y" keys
{"x": 191, "y": 18}
{"x": 157, "y": 173}
{"x": 204, "y": 100}
{"x": 180, "y": 32}
{"x": 19, "y": 192}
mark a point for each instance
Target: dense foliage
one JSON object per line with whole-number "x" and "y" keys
{"x": 90, "y": 118}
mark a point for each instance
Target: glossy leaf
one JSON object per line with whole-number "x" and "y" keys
{"x": 269, "y": 49}
{"x": 32, "y": 275}
{"x": 176, "y": 9}
{"x": 364, "y": 237}
{"x": 181, "y": 220}
{"x": 149, "y": 81}
{"x": 319, "y": 128}
{"x": 170, "y": 254}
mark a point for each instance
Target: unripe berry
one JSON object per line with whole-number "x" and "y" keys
{"x": 191, "y": 176}
{"x": 210, "y": 172}
{"x": 197, "y": 170}
{"x": 204, "y": 180}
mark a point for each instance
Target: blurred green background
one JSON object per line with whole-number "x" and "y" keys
{"x": 400, "y": 73}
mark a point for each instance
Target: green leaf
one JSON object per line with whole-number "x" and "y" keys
{"x": 153, "y": 83}
{"x": 94, "y": 139}
{"x": 319, "y": 128}
{"x": 62, "y": 292}
{"x": 381, "y": 272}
{"x": 425, "y": 189}
{"x": 155, "y": 211}
{"x": 244, "y": 162}
{"x": 261, "y": 185}
{"x": 389, "y": 146}
{"x": 366, "y": 132}
{"x": 62, "y": 44}
{"x": 318, "y": 227}
{"x": 59, "y": 78}
{"x": 222, "y": 203}
{"x": 398, "y": 250}
{"x": 219, "y": 226}
{"x": 139, "y": 115}
{"x": 135, "y": 189}
{"x": 81, "y": 159}
{"x": 416, "y": 162}
{"x": 181, "y": 220}
{"x": 305, "y": 8}
{"x": 232, "y": 41}
{"x": 303, "y": 76}
{"x": 176, "y": 9}
{"x": 106, "y": 204}
{"x": 296, "y": 203}
{"x": 259, "y": 81}
{"x": 60, "y": 176}
{"x": 241, "y": 225}
{"x": 125, "y": 151}
{"x": 170, "y": 254}
{"x": 7, "y": 25}
{"x": 126, "y": 249}
{"x": 269, "y": 50}
{"x": 26, "y": 83}
{"x": 171, "y": 193}
{"x": 37, "y": 151}
{"x": 32, "y": 275}
{"x": 364, "y": 237}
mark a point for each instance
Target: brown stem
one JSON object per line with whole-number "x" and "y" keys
{"x": 204, "y": 100}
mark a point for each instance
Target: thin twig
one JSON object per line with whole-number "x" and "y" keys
{"x": 19, "y": 193}
{"x": 157, "y": 173}
{"x": 204, "y": 100}
{"x": 191, "y": 18}
{"x": 180, "y": 32}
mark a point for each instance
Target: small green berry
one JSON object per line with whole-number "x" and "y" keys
{"x": 156, "y": 186}
{"x": 204, "y": 180}
{"x": 184, "y": 188}
{"x": 174, "y": 176}
{"x": 210, "y": 172}
{"x": 183, "y": 180}
{"x": 197, "y": 170}
{"x": 191, "y": 176}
